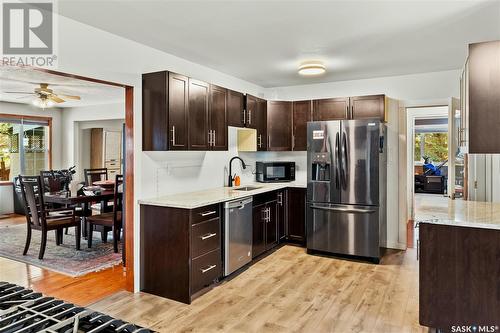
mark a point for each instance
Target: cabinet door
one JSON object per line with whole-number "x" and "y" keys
{"x": 261, "y": 121}
{"x": 331, "y": 109}
{"x": 235, "y": 108}
{"x": 155, "y": 129}
{"x": 251, "y": 111}
{"x": 302, "y": 113}
{"x": 272, "y": 225}
{"x": 279, "y": 126}
{"x": 259, "y": 240}
{"x": 198, "y": 115}
{"x": 484, "y": 98}
{"x": 280, "y": 214}
{"x": 178, "y": 111}
{"x": 296, "y": 221}
{"x": 218, "y": 117}
{"x": 368, "y": 107}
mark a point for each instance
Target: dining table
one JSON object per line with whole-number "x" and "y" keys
{"x": 68, "y": 199}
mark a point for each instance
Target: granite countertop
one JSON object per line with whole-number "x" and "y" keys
{"x": 197, "y": 199}
{"x": 460, "y": 213}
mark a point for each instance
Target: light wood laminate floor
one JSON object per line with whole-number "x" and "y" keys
{"x": 290, "y": 291}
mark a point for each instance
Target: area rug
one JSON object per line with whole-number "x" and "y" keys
{"x": 63, "y": 259}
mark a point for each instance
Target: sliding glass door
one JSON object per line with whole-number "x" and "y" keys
{"x": 24, "y": 147}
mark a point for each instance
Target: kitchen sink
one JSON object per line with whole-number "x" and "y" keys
{"x": 247, "y": 188}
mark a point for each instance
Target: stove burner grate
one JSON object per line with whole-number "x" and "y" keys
{"x": 23, "y": 310}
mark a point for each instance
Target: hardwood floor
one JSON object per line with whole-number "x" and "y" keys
{"x": 290, "y": 291}
{"x": 81, "y": 290}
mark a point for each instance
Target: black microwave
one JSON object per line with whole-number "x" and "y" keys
{"x": 268, "y": 172}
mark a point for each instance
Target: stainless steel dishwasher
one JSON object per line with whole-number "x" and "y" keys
{"x": 238, "y": 234}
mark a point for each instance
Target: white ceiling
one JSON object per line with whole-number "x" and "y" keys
{"x": 264, "y": 41}
{"x": 18, "y": 79}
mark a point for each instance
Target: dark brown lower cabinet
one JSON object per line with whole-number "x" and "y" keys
{"x": 281, "y": 214}
{"x": 459, "y": 282}
{"x": 265, "y": 223}
{"x": 296, "y": 215}
{"x": 180, "y": 251}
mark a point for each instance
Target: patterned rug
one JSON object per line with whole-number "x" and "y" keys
{"x": 64, "y": 258}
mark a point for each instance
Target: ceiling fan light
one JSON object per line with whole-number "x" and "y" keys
{"x": 42, "y": 103}
{"x": 312, "y": 68}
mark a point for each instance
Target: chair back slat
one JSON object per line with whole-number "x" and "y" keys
{"x": 50, "y": 182}
{"x": 95, "y": 175}
{"x": 32, "y": 193}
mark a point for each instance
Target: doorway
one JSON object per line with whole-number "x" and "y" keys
{"x": 126, "y": 98}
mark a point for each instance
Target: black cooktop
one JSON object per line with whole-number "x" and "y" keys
{"x": 23, "y": 310}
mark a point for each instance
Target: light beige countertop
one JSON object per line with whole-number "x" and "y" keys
{"x": 460, "y": 213}
{"x": 197, "y": 199}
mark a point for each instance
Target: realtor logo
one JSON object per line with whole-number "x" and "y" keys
{"x": 27, "y": 28}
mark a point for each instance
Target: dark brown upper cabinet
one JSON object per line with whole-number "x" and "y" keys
{"x": 235, "y": 108}
{"x": 261, "y": 124}
{"x": 250, "y": 115}
{"x": 164, "y": 111}
{"x": 302, "y": 113}
{"x": 198, "y": 115}
{"x": 331, "y": 109}
{"x": 218, "y": 118}
{"x": 367, "y": 107}
{"x": 177, "y": 111}
{"x": 484, "y": 97}
{"x": 155, "y": 127}
{"x": 279, "y": 125}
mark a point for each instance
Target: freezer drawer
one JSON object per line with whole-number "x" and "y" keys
{"x": 343, "y": 229}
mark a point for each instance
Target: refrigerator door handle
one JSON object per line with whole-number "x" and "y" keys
{"x": 345, "y": 160}
{"x": 345, "y": 209}
{"x": 337, "y": 160}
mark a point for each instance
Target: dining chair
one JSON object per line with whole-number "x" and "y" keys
{"x": 112, "y": 219}
{"x": 38, "y": 217}
{"x": 94, "y": 175}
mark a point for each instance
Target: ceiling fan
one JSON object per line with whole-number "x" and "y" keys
{"x": 45, "y": 97}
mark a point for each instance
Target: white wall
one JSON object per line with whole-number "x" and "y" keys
{"x": 77, "y": 118}
{"x": 91, "y": 52}
{"x": 6, "y": 194}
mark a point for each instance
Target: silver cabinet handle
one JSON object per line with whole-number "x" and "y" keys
{"x": 260, "y": 141}
{"x": 209, "y": 268}
{"x": 173, "y": 135}
{"x": 293, "y": 142}
{"x": 249, "y": 117}
{"x": 418, "y": 249}
{"x": 208, "y": 213}
{"x": 207, "y": 236}
{"x": 209, "y": 138}
{"x": 280, "y": 198}
{"x": 213, "y": 139}
{"x": 244, "y": 116}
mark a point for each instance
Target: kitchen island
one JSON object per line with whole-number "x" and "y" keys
{"x": 459, "y": 248}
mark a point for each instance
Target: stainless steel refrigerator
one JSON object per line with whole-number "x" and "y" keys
{"x": 346, "y": 187}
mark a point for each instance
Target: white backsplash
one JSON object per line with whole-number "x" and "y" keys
{"x": 187, "y": 171}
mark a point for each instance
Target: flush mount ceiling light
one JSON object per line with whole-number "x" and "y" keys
{"x": 312, "y": 68}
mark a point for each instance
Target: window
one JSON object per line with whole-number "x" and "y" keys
{"x": 432, "y": 145}
{"x": 24, "y": 146}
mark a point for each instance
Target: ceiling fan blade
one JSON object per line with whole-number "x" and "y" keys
{"x": 56, "y": 99}
{"x": 17, "y": 92}
{"x": 69, "y": 96}
{"x": 22, "y": 97}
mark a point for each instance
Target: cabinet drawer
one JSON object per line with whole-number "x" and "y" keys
{"x": 205, "y": 213}
{"x": 205, "y": 237}
{"x": 112, "y": 164}
{"x": 205, "y": 270}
